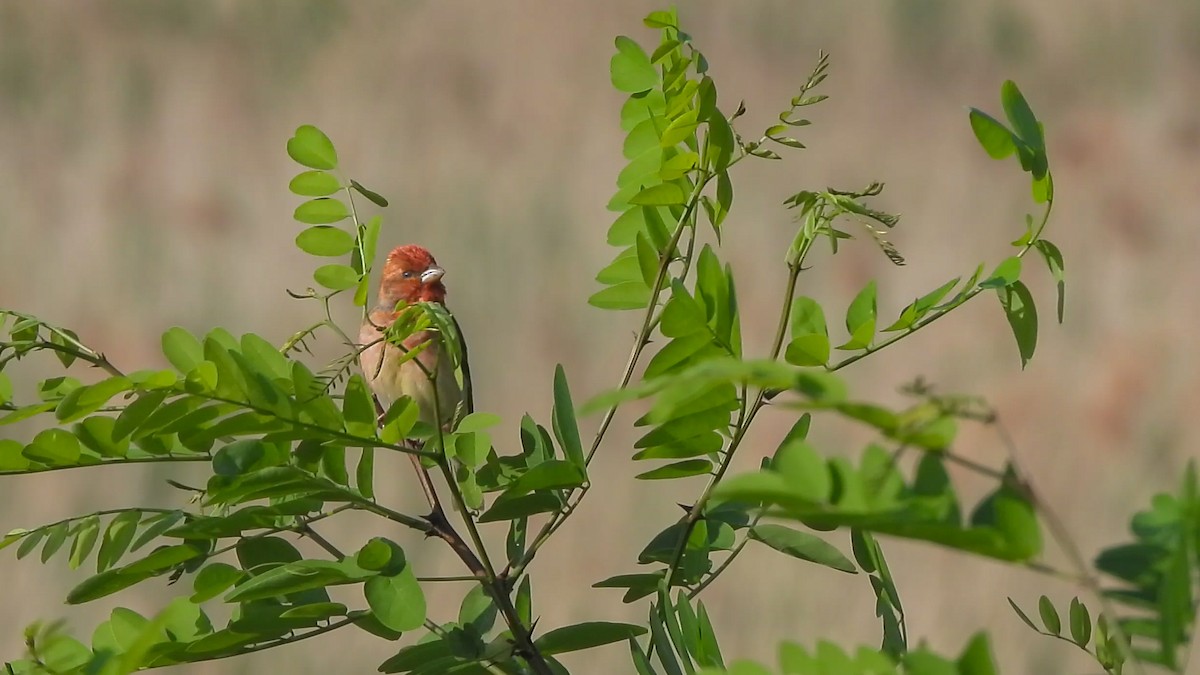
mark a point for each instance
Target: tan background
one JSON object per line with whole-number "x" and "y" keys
{"x": 143, "y": 182}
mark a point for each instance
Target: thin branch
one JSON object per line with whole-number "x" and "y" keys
{"x": 111, "y": 462}
{"x": 104, "y": 512}
{"x": 306, "y": 530}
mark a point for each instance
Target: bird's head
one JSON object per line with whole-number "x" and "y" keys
{"x": 412, "y": 275}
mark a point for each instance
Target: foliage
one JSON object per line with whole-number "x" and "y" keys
{"x": 291, "y": 446}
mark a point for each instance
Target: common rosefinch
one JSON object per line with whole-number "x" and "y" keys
{"x": 410, "y": 275}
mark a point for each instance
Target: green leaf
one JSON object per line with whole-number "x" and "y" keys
{"x": 860, "y": 319}
{"x": 585, "y": 636}
{"x": 976, "y": 657}
{"x": 660, "y": 641}
{"x": 263, "y": 551}
{"x": 508, "y": 508}
{"x": 312, "y": 148}
{"x": 364, "y": 474}
{"x": 1049, "y": 615}
{"x": 137, "y": 412}
{"x": 155, "y": 525}
{"x": 240, "y": 457}
{"x": 321, "y": 211}
{"x": 325, "y": 240}
{"x": 319, "y": 611}
{"x": 477, "y": 421}
{"x": 680, "y": 129}
{"x": 642, "y": 139}
{"x": 664, "y": 194}
{"x": 478, "y": 610}
{"x": 376, "y": 198}
{"x": 54, "y": 447}
{"x": 630, "y": 67}
{"x": 1081, "y": 623}
{"x": 1054, "y": 260}
{"x": 162, "y": 559}
{"x": 1021, "y": 116}
{"x": 314, "y": 184}
{"x": 416, "y": 656}
{"x": 1022, "y": 317}
{"x": 678, "y": 166}
{"x": 802, "y": 545}
{"x": 117, "y": 538}
{"x": 724, "y": 199}
{"x": 86, "y": 534}
{"x": 684, "y": 469}
{"x": 660, "y": 19}
{"x": 336, "y": 277}
{"x": 566, "y": 429}
{"x": 182, "y": 349}
{"x": 625, "y": 267}
{"x": 804, "y": 470}
{"x": 358, "y": 408}
{"x": 810, "y": 336}
{"x": 213, "y": 580}
{"x": 86, "y": 400}
{"x": 108, "y": 582}
{"x": 397, "y": 601}
{"x": 554, "y": 474}
{"x": 375, "y": 554}
{"x": 625, "y": 295}
{"x": 1005, "y": 274}
{"x": 294, "y": 577}
{"x": 121, "y": 632}
{"x": 30, "y": 542}
{"x": 995, "y": 138}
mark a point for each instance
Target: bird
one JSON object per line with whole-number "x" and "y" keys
{"x": 410, "y": 275}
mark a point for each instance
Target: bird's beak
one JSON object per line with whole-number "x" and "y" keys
{"x": 432, "y": 274}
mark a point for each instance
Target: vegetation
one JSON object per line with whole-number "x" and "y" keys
{"x": 292, "y": 445}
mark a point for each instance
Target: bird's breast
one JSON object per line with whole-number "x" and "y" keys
{"x": 428, "y": 378}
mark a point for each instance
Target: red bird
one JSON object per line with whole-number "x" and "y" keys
{"x": 410, "y": 275}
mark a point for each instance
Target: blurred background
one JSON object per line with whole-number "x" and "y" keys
{"x": 143, "y": 179}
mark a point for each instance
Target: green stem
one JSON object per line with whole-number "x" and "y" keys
{"x": 111, "y": 462}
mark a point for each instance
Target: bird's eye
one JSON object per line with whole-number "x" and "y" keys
{"x": 407, "y": 274}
